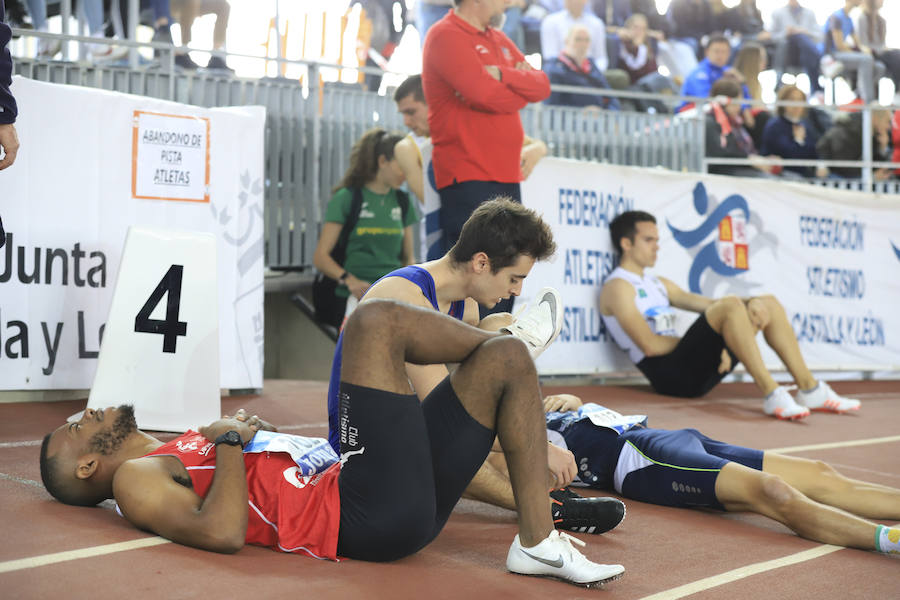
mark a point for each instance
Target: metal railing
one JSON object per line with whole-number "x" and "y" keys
{"x": 310, "y": 130}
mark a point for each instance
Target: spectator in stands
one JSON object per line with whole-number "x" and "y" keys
{"x": 748, "y": 64}
{"x": 726, "y": 136}
{"x": 797, "y": 37}
{"x": 429, "y": 12}
{"x": 677, "y": 57}
{"x": 844, "y": 47}
{"x": 844, "y": 141}
{"x": 37, "y": 10}
{"x": 638, "y": 59}
{"x": 790, "y": 134}
{"x": 556, "y": 26}
{"x": 382, "y": 238}
{"x": 871, "y": 29}
{"x": 710, "y": 69}
{"x": 474, "y": 100}
{"x": 186, "y": 11}
{"x": 613, "y": 13}
{"x": 93, "y": 13}
{"x": 745, "y": 23}
{"x": 9, "y": 142}
{"x": 512, "y": 24}
{"x": 691, "y": 20}
{"x": 573, "y": 67}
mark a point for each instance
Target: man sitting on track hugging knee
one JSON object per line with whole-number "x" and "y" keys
{"x": 496, "y": 249}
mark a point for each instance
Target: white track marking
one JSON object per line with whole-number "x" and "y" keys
{"x": 828, "y": 445}
{"x": 742, "y": 572}
{"x": 58, "y": 557}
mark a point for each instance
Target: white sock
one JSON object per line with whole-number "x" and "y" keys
{"x": 887, "y": 539}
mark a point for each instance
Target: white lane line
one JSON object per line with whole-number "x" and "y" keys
{"x": 58, "y": 557}
{"x": 742, "y": 572}
{"x": 844, "y": 444}
{"x": 27, "y": 443}
{"x": 20, "y": 444}
{"x": 32, "y": 482}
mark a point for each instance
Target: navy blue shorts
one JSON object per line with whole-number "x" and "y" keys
{"x": 405, "y": 466}
{"x": 675, "y": 468}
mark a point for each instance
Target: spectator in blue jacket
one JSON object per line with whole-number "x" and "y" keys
{"x": 790, "y": 134}
{"x": 574, "y": 67}
{"x": 9, "y": 143}
{"x": 709, "y": 70}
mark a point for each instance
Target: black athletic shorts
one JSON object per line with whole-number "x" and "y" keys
{"x": 692, "y": 368}
{"x": 405, "y": 466}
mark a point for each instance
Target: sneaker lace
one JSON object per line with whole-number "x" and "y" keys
{"x": 526, "y": 325}
{"x": 568, "y": 542}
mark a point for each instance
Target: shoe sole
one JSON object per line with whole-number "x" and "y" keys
{"x": 791, "y": 418}
{"x": 599, "y": 530}
{"x": 589, "y": 584}
{"x": 836, "y": 412}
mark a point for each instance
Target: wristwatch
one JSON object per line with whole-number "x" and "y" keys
{"x": 343, "y": 277}
{"x": 232, "y": 438}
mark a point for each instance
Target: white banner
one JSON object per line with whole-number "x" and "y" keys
{"x": 831, "y": 257}
{"x": 91, "y": 164}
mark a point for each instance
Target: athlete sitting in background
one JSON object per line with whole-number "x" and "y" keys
{"x": 637, "y": 310}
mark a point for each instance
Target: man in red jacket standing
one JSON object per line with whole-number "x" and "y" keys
{"x": 476, "y": 81}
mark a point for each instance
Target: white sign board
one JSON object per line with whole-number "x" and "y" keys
{"x": 160, "y": 349}
{"x": 170, "y": 157}
{"x": 67, "y": 204}
{"x": 831, "y": 257}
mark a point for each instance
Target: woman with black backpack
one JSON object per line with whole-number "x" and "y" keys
{"x": 367, "y": 231}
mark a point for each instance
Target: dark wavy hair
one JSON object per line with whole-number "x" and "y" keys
{"x": 503, "y": 230}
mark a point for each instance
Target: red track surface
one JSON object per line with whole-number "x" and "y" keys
{"x": 661, "y": 548}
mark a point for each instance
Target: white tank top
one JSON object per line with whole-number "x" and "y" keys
{"x": 430, "y": 233}
{"x": 652, "y": 302}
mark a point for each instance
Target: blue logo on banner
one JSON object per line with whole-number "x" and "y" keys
{"x": 896, "y": 250}
{"x": 708, "y": 255}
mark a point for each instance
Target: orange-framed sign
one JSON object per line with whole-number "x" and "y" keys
{"x": 170, "y": 157}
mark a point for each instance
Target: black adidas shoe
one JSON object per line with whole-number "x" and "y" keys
{"x": 585, "y": 515}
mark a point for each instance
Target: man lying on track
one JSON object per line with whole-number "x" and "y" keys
{"x": 220, "y": 488}
{"x": 684, "y": 468}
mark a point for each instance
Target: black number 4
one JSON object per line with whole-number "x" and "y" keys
{"x": 171, "y": 327}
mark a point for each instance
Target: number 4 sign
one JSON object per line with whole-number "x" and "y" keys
{"x": 160, "y": 349}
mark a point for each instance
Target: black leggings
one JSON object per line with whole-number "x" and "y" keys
{"x": 405, "y": 467}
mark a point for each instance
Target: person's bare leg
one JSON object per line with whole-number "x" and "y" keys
{"x": 491, "y": 486}
{"x": 781, "y": 338}
{"x": 822, "y": 483}
{"x": 185, "y": 12}
{"x": 728, "y": 317}
{"x": 506, "y": 372}
{"x": 741, "y": 488}
{"x": 496, "y": 321}
{"x": 222, "y": 10}
{"x": 496, "y": 383}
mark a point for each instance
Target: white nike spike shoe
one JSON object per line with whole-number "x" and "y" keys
{"x": 540, "y": 323}
{"x": 556, "y": 557}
